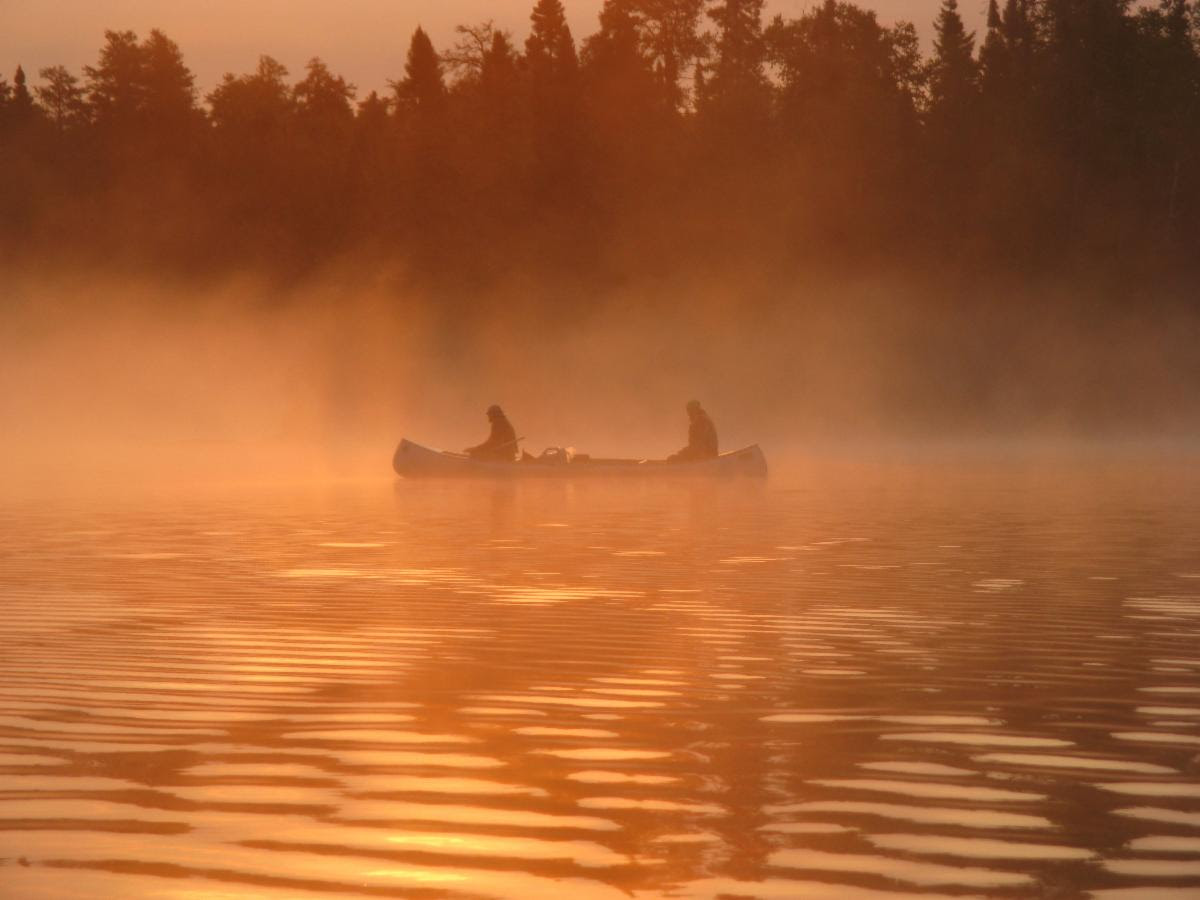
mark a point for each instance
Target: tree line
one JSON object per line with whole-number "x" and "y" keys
{"x": 682, "y": 134}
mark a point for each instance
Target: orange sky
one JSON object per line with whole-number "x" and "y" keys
{"x": 364, "y": 40}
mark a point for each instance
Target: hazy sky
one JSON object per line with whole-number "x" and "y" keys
{"x": 364, "y": 40}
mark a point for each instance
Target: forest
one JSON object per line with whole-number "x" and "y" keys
{"x": 683, "y": 135}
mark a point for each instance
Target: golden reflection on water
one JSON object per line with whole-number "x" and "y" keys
{"x": 875, "y": 685}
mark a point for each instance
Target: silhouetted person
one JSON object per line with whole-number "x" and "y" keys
{"x": 501, "y": 445}
{"x": 702, "y": 436}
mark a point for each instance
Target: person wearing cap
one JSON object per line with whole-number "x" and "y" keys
{"x": 501, "y": 445}
{"x": 702, "y": 436}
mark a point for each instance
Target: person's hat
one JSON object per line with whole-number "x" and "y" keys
{"x": 693, "y": 406}
{"x": 495, "y": 410}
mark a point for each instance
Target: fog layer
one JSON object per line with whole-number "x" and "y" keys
{"x": 148, "y": 378}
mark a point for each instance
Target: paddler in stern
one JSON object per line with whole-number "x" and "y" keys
{"x": 501, "y": 445}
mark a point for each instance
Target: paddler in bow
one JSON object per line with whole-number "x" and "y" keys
{"x": 702, "y": 436}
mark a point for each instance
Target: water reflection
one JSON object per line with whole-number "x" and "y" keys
{"x": 878, "y": 686}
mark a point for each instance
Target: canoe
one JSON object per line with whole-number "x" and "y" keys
{"x": 412, "y": 460}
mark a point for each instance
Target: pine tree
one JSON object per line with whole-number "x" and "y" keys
{"x": 552, "y": 68}
{"x": 1020, "y": 39}
{"x": 21, "y": 106}
{"x": 1169, "y": 117}
{"x": 498, "y": 68}
{"x": 671, "y": 35}
{"x": 617, "y": 43}
{"x": 617, "y": 70}
{"x": 993, "y": 55}
{"x": 323, "y": 100}
{"x": 954, "y": 74}
{"x": 168, "y": 95}
{"x": 254, "y": 144}
{"x": 372, "y": 112}
{"x": 1008, "y": 80}
{"x": 115, "y": 86}
{"x": 422, "y": 90}
{"x": 142, "y": 94}
{"x": 550, "y": 50}
{"x": 622, "y": 99}
{"x": 253, "y": 107}
{"x": 61, "y": 97}
{"x": 735, "y": 79}
{"x": 500, "y": 119}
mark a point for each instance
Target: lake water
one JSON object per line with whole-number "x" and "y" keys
{"x": 849, "y": 682}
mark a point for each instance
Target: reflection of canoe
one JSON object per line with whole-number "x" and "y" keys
{"x": 414, "y": 461}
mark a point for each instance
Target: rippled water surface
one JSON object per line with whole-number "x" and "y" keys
{"x": 921, "y": 680}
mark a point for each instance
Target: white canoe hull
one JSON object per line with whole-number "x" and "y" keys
{"x": 412, "y": 460}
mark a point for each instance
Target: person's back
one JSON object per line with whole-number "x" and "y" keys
{"x": 702, "y": 436}
{"x": 501, "y": 445}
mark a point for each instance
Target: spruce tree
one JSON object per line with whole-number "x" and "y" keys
{"x": 550, "y": 50}
{"x": 21, "y": 106}
{"x": 993, "y": 55}
{"x": 954, "y": 74}
{"x": 498, "y": 69}
{"x": 617, "y": 42}
{"x": 1020, "y": 38}
{"x": 422, "y": 89}
{"x": 552, "y": 67}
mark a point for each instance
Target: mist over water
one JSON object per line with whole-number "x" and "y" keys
{"x": 140, "y": 379}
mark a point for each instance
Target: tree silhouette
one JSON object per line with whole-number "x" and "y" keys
{"x": 253, "y": 108}
{"x": 550, "y": 50}
{"x": 465, "y": 59}
{"x": 422, "y": 91}
{"x": 672, "y": 39}
{"x": 847, "y": 81}
{"x": 953, "y": 81}
{"x": 1070, "y": 143}
{"x": 733, "y": 98}
{"x": 323, "y": 100}
{"x": 736, "y": 80}
{"x": 115, "y": 84}
{"x": 21, "y": 107}
{"x": 142, "y": 95}
{"x": 552, "y": 69}
{"x": 498, "y": 67}
{"x": 61, "y": 97}
{"x": 621, "y": 86}
{"x": 1169, "y": 99}
{"x": 993, "y": 54}
{"x": 168, "y": 93}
